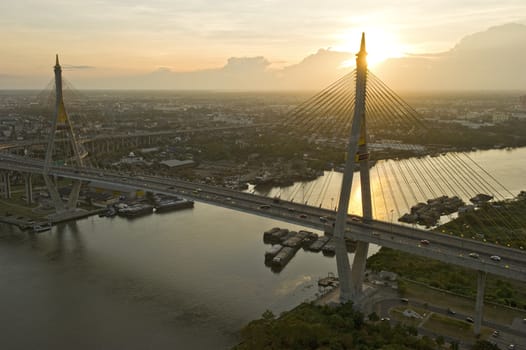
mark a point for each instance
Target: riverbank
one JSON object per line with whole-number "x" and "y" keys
{"x": 484, "y": 224}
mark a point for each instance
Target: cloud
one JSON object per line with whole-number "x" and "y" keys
{"x": 489, "y": 60}
{"x": 251, "y": 73}
{"x": 76, "y": 67}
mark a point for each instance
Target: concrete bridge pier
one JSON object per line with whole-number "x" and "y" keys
{"x": 6, "y": 184}
{"x": 28, "y": 185}
{"x": 479, "y": 304}
{"x": 358, "y": 270}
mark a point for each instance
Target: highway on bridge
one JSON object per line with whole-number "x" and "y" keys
{"x": 102, "y": 137}
{"x": 443, "y": 247}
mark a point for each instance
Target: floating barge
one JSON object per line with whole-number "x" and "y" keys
{"x": 37, "y": 228}
{"x": 171, "y": 204}
{"x": 271, "y": 253}
{"x": 283, "y": 257}
{"x": 275, "y": 235}
{"x": 329, "y": 249}
{"x": 286, "y": 243}
{"x": 135, "y": 210}
{"x": 429, "y": 213}
{"x": 319, "y": 243}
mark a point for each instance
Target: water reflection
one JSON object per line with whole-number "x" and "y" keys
{"x": 395, "y": 185}
{"x": 63, "y": 238}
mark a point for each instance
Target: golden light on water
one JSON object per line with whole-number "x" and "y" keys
{"x": 380, "y": 45}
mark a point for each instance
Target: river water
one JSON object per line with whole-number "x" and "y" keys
{"x": 181, "y": 280}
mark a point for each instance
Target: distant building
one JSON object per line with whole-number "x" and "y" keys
{"x": 132, "y": 159}
{"x": 411, "y": 314}
{"x": 115, "y": 190}
{"x": 149, "y": 150}
{"x": 522, "y": 101}
{"x": 176, "y": 163}
{"x": 388, "y": 276}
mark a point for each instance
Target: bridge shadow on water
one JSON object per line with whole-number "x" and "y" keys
{"x": 67, "y": 240}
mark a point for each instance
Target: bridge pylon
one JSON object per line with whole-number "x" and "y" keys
{"x": 62, "y": 149}
{"x": 351, "y": 280}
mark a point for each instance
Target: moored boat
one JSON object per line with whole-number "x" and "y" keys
{"x": 173, "y": 204}
{"x": 41, "y": 227}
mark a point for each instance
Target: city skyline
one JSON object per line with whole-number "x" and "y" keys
{"x": 118, "y": 40}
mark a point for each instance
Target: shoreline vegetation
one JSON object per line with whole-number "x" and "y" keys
{"x": 310, "y": 326}
{"x": 337, "y": 327}
{"x": 340, "y": 327}
{"x": 498, "y": 223}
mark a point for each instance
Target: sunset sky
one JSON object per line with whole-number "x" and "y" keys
{"x": 126, "y": 37}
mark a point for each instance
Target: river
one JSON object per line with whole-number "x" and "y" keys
{"x": 184, "y": 280}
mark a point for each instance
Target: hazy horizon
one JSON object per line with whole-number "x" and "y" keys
{"x": 262, "y": 46}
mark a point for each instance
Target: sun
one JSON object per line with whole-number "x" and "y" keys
{"x": 380, "y": 45}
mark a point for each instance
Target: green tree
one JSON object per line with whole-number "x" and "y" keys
{"x": 484, "y": 345}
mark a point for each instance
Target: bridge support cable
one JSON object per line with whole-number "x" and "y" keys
{"x": 377, "y": 114}
{"x": 381, "y": 111}
{"x": 382, "y": 193}
{"x": 329, "y": 106}
{"x": 325, "y": 185}
{"x": 400, "y": 189}
{"x": 385, "y": 107}
{"x": 452, "y": 178}
{"x": 344, "y": 106}
{"x": 493, "y": 188}
{"x": 404, "y": 106}
{"x": 306, "y": 113}
{"x": 507, "y": 219}
{"x": 433, "y": 174}
{"x": 395, "y": 111}
{"x": 323, "y": 117}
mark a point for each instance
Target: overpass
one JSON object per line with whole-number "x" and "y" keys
{"x": 115, "y": 139}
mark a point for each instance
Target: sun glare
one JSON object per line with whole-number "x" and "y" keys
{"x": 380, "y": 45}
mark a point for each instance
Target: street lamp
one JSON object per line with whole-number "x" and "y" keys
{"x": 392, "y": 221}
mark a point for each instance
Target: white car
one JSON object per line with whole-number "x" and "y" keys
{"x": 495, "y": 258}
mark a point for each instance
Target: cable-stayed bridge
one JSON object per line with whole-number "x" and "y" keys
{"x": 358, "y": 104}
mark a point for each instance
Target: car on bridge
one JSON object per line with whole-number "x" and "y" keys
{"x": 495, "y": 258}
{"x": 473, "y": 255}
{"x": 469, "y": 319}
{"x": 303, "y": 216}
{"x": 424, "y": 242}
{"x": 264, "y": 206}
